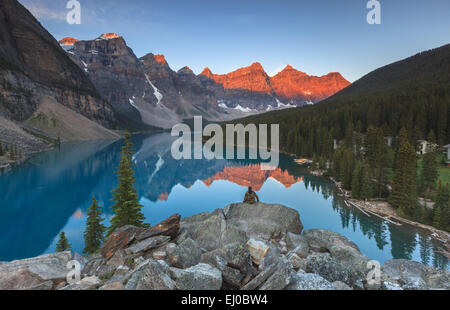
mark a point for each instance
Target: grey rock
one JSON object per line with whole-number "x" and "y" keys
{"x": 262, "y": 220}
{"x": 112, "y": 286}
{"x": 200, "y": 277}
{"x": 337, "y": 245}
{"x": 46, "y": 267}
{"x": 310, "y": 281}
{"x": 93, "y": 265}
{"x": 297, "y": 243}
{"x": 233, "y": 261}
{"x": 81, "y": 259}
{"x": 150, "y": 275}
{"x": 211, "y": 231}
{"x": 297, "y": 262}
{"x": 334, "y": 270}
{"x": 186, "y": 254}
{"x": 22, "y": 279}
{"x": 148, "y": 244}
{"x": 411, "y": 275}
{"x": 260, "y": 278}
{"x": 281, "y": 278}
{"x": 341, "y": 286}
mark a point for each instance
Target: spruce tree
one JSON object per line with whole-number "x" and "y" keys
{"x": 63, "y": 243}
{"x": 429, "y": 172}
{"x": 126, "y": 206}
{"x": 441, "y": 217}
{"x": 95, "y": 231}
{"x": 356, "y": 185}
{"x": 365, "y": 183}
{"x": 404, "y": 184}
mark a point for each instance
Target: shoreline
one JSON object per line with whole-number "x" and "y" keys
{"x": 254, "y": 250}
{"x": 383, "y": 210}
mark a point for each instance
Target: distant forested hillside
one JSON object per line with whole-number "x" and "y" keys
{"x": 413, "y": 93}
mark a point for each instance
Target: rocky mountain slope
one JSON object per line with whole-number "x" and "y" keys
{"x": 296, "y": 87}
{"x": 240, "y": 247}
{"x": 33, "y": 66}
{"x": 147, "y": 89}
{"x": 140, "y": 90}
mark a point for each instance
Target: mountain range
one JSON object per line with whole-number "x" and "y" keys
{"x": 85, "y": 89}
{"x": 163, "y": 97}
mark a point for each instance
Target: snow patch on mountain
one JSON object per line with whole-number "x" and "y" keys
{"x": 156, "y": 92}
{"x": 242, "y": 109}
{"x": 281, "y": 105}
{"x": 85, "y": 66}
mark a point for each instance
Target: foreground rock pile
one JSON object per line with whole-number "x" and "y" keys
{"x": 246, "y": 247}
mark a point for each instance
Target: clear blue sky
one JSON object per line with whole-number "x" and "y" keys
{"x": 314, "y": 36}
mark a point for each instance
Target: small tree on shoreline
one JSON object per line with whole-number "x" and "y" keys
{"x": 63, "y": 243}
{"x": 95, "y": 231}
{"x": 126, "y": 208}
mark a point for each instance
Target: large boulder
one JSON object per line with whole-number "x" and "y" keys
{"x": 169, "y": 227}
{"x": 119, "y": 239}
{"x": 333, "y": 270}
{"x": 258, "y": 250}
{"x": 148, "y": 244}
{"x": 413, "y": 275}
{"x": 298, "y": 243}
{"x": 150, "y": 275}
{"x": 199, "y": 277}
{"x": 211, "y": 230}
{"x": 310, "y": 281}
{"x": 35, "y": 271}
{"x": 21, "y": 279}
{"x": 281, "y": 278}
{"x": 186, "y": 254}
{"x": 343, "y": 255}
{"x": 262, "y": 220}
{"x": 233, "y": 260}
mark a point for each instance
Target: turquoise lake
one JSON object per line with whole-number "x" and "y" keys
{"x": 52, "y": 191}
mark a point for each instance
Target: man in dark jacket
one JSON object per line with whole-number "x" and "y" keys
{"x": 250, "y": 196}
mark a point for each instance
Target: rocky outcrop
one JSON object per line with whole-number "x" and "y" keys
{"x": 33, "y": 66}
{"x": 242, "y": 247}
{"x": 22, "y": 78}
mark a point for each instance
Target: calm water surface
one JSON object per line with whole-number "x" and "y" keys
{"x": 52, "y": 192}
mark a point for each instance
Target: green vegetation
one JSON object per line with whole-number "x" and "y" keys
{"x": 402, "y": 102}
{"x": 126, "y": 207}
{"x": 95, "y": 231}
{"x": 63, "y": 243}
{"x": 403, "y": 195}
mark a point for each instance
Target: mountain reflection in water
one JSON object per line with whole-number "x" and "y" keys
{"x": 52, "y": 192}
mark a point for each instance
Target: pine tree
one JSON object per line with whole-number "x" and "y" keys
{"x": 94, "y": 234}
{"x": 126, "y": 207}
{"x": 347, "y": 167}
{"x": 366, "y": 190}
{"x": 404, "y": 184}
{"x": 356, "y": 185}
{"x": 441, "y": 217}
{"x": 429, "y": 172}
{"x": 63, "y": 243}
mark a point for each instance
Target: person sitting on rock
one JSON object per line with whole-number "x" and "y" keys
{"x": 250, "y": 196}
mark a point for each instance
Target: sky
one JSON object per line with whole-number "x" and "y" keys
{"x": 314, "y": 36}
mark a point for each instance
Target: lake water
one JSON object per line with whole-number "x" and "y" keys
{"x": 52, "y": 192}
